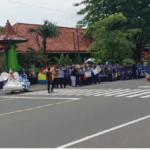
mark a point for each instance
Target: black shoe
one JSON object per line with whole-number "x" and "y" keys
{"x": 52, "y": 91}
{"x": 49, "y": 92}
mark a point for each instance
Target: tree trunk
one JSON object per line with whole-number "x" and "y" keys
{"x": 44, "y": 45}
{"x": 137, "y": 53}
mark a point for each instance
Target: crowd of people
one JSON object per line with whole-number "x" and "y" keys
{"x": 80, "y": 75}
{"x": 85, "y": 74}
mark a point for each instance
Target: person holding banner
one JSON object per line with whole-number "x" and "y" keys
{"x": 73, "y": 76}
{"x": 109, "y": 74}
{"x": 81, "y": 76}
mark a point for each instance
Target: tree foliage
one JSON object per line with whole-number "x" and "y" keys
{"x": 67, "y": 59}
{"x": 47, "y": 30}
{"x": 137, "y": 12}
{"x": 1, "y": 29}
{"x": 35, "y": 57}
{"x": 128, "y": 61}
{"x": 62, "y": 59}
{"x": 111, "y": 43}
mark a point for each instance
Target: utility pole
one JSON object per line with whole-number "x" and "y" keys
{"x": 78, "y": 42}
{"x": 74, "y": 47}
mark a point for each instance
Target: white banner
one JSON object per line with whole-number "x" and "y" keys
{"x": 98, "y": 69}
{"x": 95, "y": 71}
{"x": 88, "y": 74}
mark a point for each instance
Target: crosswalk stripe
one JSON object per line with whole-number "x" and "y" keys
{"x": 95, "y": 92}
{"x": 120, "y": 92}
{"x": 138, "y": 90}
{"x": 146, "y": 96}
{"x": 138, "y": 94}
{"x": 101, "y": 92}
{"x": 108, "y": 92}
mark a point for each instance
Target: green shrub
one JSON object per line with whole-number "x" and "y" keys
{"x": 128, "y": 61}
{"x": 67, "y": 59}
{"x": 62, "y": 59}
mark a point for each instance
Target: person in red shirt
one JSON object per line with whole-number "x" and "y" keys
{"x": 49, "y": 81}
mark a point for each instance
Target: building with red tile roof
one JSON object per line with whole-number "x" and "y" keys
{"x": 66, "y": 42}
{"x": 9, "y": 35}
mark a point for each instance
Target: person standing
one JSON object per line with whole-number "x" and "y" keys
{"x": 56, "y": 76}
{"x": 77, "y": 77}
{"x": 109, "y": 74}
{"x": 81, "y": 76}
{"x": 61, "y": 76}
{"x": 49, "y": 81}
{"x": 66, "y": 75}
{"x": 73, "y": 77}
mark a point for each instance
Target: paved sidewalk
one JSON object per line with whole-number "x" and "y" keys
{"x": 36, "y": 87}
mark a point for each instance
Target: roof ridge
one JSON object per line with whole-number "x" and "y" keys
{"x": 41, "y": 25}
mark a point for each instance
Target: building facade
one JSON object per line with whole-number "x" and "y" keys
{"x": 68, "y": 42}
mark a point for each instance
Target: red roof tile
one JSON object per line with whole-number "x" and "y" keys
{"x": 63, "y": 43}
{"x": 9, "y": 34}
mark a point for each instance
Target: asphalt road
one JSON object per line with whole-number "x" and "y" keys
{"x": 106, "y": 115}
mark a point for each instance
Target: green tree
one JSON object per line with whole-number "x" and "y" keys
{"x": 1, "y": 29}
{"x": 47, "y": 30}
{"x": 109, "y": 43}
{"x": 137, "y": 12}
{"x": 67, "y": 59}
{"x": 57, "y": 60}
{"x": 128, "y": 61}
{"x": 32, "y": 56}
{"x": 62, "y": 59}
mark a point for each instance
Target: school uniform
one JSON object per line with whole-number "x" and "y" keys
{"x": 81, "y": 76}
{"x": 49, "y": 81}
{"x": 56, "y": 77}
{"x": 61, "y": 77}
{"x": 73, "y": 77}
{"x": 109, "y": 74}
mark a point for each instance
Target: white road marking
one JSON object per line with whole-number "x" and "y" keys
{"x": 108, "y": 83}
{"x": 5, "y": 100}
{"x": 100, "y": 92}
{"x": 147, "y": 96}
{"x": 138, "y": 94}
{"x": 38, "y": 98}
{"x": 131, "y": 93}
{"x": 121, "y": 92}
{"x": 35, "y": 108}
{"x": 103, "y": 132}
{"x": 143, "y": 86}
{"x": 93, "y": 92}
{"x": 108, "y": 92}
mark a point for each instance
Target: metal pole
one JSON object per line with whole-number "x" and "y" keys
{"x": 78, "y": 44}
{"x": 74, "y": 47}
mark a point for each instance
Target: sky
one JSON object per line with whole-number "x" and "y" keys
{"x": 61, "y": 12}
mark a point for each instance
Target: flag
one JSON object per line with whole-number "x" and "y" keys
{"x": 106, "y": 63}
{"x": 90, "y": 60}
